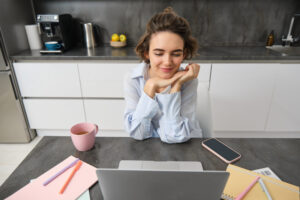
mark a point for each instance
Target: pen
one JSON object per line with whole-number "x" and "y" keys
{"x": 264, "y": 188}
{"x": 241, "y": 196}
{"x": 70, "y": 177}
{"x": 60, "y": 172}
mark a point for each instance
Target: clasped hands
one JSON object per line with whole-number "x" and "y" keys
{"x": 157, "y": 85}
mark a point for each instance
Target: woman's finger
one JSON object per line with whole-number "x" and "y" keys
{"x": 174, "y": 78}
{"x": 196, "y": 68}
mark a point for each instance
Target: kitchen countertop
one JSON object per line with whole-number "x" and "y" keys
{"x": 205, "y": 54}
{"x": 281, "y": 155}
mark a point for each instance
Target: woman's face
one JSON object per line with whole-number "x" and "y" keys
{"x": 165, "y": 54}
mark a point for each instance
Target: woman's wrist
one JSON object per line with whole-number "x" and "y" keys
{"x": 176, "y": 87}
{"x": 150, "y": 89}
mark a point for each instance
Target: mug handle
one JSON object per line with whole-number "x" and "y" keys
{"x": 96, "y": 129}
{"x": 58, "y": 46}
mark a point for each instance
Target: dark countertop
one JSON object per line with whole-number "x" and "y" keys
{"x": 281, "y": 155}
{"x": 127, "y": 53}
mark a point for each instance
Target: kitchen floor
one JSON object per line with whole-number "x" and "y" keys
{"x": 12, "y": 155}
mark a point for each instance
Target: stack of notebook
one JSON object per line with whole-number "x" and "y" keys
{"x": 240, "y": 179}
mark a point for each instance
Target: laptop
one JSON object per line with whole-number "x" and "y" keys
{"x": 147, "y": 184}
{"x": 161, "y": 165}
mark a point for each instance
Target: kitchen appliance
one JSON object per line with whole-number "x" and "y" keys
{"x": 58, "y": 28}
{"x": 89, "y": 35}
{"x": 13, "y": 122}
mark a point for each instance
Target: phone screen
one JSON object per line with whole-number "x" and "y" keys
{"x": 221, "y": 149}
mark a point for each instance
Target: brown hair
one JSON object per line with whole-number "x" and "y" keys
{"x": 167, "y": 20}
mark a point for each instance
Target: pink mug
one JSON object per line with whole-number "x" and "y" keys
{"x": 83, "y": 135}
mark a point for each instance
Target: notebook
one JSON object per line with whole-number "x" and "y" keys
{"x": 81, "y": 181}
{"x": 84, "y": 196}
{"x": 240, "y": 178}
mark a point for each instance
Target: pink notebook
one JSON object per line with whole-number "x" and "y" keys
{"x": 83, "y": 179}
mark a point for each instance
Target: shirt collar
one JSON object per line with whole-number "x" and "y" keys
{"x": 140, "y": 70}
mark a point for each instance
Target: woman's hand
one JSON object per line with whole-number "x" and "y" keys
{"x": 192, "y": 71}
{"x": 157, "y": 84}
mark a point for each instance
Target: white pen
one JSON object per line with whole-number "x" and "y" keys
{"x": 264, "y": 188}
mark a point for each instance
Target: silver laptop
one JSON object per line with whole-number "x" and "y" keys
{"x": 161, "y": 165}
{"x": 140, "y": 184}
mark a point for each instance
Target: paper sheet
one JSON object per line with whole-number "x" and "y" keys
{"x": 267, "y": 172}
{"x": 84, "y": 196}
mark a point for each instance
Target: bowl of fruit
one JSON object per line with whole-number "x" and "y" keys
{"x": 118, "y": 40}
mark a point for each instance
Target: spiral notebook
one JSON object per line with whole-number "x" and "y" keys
{"x": 240, "y": 178}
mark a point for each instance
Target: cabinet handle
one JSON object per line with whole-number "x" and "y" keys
{"x": 210, "y": 74}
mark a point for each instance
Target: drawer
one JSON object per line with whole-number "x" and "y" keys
{"x": 107, "y": 114}
{"x": 54, "y": 113}
{"x": 103, "y": 79}
{"x": 48, "y": 79}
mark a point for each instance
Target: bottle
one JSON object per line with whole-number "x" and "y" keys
{"x": 270, "y": 40}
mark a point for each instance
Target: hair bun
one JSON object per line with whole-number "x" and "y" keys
{"x": 168, "y": 10}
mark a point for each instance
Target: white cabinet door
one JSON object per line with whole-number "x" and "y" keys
{"x": 285, "y": 107}
{"x": 48, "y": 79}
{"x": 241, "y": 96}
{"x": 54, "y": 113}
{"x": 204, "y": 74}
{"x": 103, "y": 79}
{"x": 107, "y": 114}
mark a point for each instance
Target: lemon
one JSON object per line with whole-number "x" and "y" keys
{"x": 122, "y": 38}
{"x": 115, "y": 37}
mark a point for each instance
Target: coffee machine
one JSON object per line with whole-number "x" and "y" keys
{"x": 57, "y": 28}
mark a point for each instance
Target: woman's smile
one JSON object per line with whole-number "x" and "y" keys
{"x": 166, "y": 70}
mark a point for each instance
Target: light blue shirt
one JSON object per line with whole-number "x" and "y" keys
{"x": 172, "y": 117}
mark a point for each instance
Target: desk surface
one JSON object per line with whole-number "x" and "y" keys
{"x": 281, "y": 155}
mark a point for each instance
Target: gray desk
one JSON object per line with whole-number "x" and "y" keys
{"x": 281, "y": 155}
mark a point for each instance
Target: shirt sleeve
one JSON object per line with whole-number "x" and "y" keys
{"x": 178, "y": 121}
{"x": 139, "y": 110}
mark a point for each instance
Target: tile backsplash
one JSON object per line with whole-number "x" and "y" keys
{"x": 213, "y": 22}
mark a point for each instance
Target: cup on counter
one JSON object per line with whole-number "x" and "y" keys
{"x": 52, "y": 45}
{"x": 83, "y": 135}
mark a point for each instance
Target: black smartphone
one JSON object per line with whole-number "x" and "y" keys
{"x": 221, "y": 150}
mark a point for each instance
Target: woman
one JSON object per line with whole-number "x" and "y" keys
{"x": 160, "y": 96}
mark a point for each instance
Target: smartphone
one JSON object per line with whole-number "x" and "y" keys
{"x": 221, "y": 150}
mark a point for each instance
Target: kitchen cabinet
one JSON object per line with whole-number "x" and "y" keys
{"x": 108, "y": 114}
{"x": 285, "y": 106}
{"x": 48, "y": 79}
{"x": 54, "y": 113}
{"x": 53, "y": 99}
{"x": 232, "y": 97}
{"x": 104, "y": 80}
{"x": 240, "y": 95}
{"x": 58, "y": 95}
